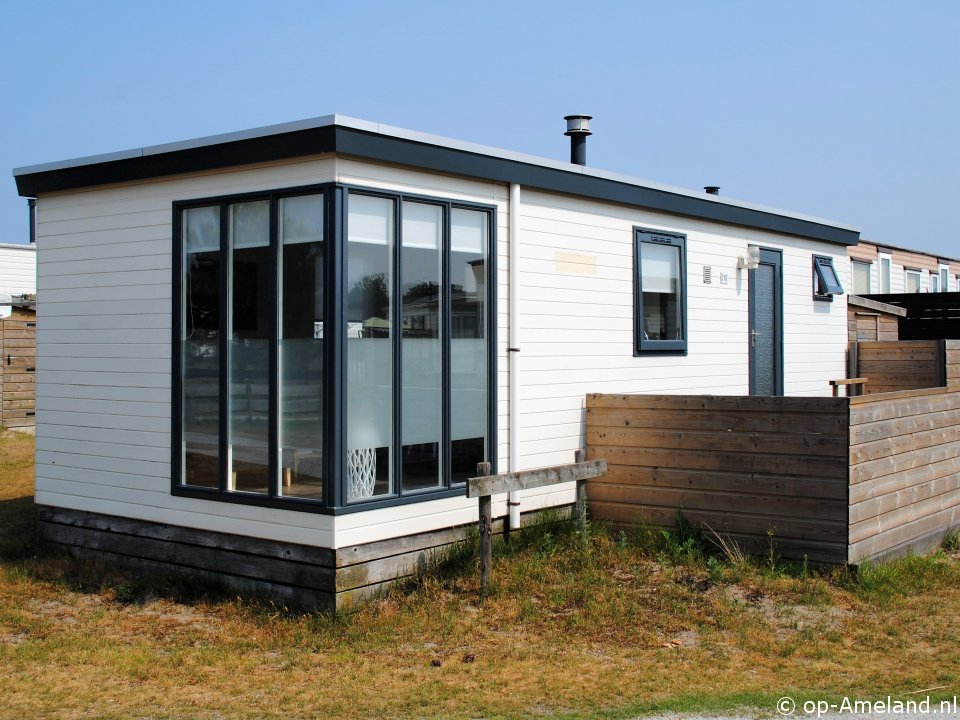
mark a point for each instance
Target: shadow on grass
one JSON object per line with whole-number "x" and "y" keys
{"x": 24, "y": 553}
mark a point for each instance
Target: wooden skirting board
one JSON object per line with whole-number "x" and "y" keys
{"x": 298, "y": 576}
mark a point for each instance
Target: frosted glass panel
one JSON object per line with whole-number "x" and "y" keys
{"x": 250, "y": 224}
{"x": 249, "y": 347}
{"x": 421, "y": 226}
{"x": 469, "y": 231}
{"x": 301, "y": 219}
{"x": 764, "y": 339}
{"x": 200, "y": 359}
{"x": 468, "y": 345}
{"x": 201, "y": 227}
{"x": 302, "y": 264}
{"x": 369, "y": 279}
{"x": 421, "y": 348}
{"x": 370, "y": 219}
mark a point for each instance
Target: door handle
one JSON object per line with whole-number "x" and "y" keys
{"x": 753, "y": 337}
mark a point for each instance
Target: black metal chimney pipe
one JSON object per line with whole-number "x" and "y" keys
{"x": 712, "y": 189}
{"x": 578, "y": 128}
{"x": 32, "y": 205}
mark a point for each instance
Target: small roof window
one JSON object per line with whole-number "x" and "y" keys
{"x": 825, "y": 280}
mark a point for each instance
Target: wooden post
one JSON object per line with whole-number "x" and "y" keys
{"x": 581, "y": 456}
{"x": 486, "y": 533}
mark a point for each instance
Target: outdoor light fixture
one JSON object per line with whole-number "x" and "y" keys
{"x": 752, "y": 261}
{"x": 578, "y": 128}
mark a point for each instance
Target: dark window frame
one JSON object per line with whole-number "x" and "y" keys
{"x": 335, "y": 210}
{"x": 642, "y": 345}
{"x": 826, "y": 281}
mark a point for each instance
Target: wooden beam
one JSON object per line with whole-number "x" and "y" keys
{"x": 530, "y": 479}
{"x": 486, "y": 533}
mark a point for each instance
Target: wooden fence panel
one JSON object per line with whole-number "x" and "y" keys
{"x": 904, "y": 471}
{"x": 929, "y": 315}
{"x": 18, "y": 360}
{"x": 751, "y": 468}
{"x": 900, "y": 365}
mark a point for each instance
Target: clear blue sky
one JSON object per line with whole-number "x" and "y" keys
{"x": 844, "y": 110}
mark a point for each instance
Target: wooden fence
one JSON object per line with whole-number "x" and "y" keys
{"x": 904, "y": 471}
{"x": 929, "y": 315}
{"x": 830, "y": 479}
{"x": 753, "y": 468}
{"x": 900, "y": 365}
{"x": 18, "y": 360}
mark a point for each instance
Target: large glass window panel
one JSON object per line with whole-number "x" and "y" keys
{"x": 370, "y": 396}
{"x": 660, "y": 282}
{"x": 200, "y": 351}
{"x": 421, "y": 349}
{"x": 469, "y": 248}
{"x": 250, "y": 335}
{"x": 301, "y": 403}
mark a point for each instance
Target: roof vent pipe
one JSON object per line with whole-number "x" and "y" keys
{"x": 712, "y": 189}
{"x": 578, "y": 127}
{"x": 32, "y": 206}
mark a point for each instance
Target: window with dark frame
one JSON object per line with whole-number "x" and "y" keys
{"x": 826, "y": 283}
{"x": 276, "y": 367}
{"x": 660, "y": 292}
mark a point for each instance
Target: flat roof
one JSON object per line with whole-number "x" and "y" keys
{"x": 374, "y": 141}
{"x": 881, "y": 246}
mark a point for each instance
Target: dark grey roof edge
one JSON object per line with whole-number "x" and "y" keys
{"x": 338, "y": 133}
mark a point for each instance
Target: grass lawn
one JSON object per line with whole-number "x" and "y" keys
{"x": 601, "y": 626}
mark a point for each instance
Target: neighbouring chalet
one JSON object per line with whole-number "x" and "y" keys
{"x": 276, "y": 355}
{"x": 18, "y": 352}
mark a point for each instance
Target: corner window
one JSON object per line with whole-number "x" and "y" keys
{"x": 913, "y": 280}
{"x": 860, "y": 272}
{"x": 660, "y": 292}
{"x": 826, "y": 284}
{"x": 334, "y": 348}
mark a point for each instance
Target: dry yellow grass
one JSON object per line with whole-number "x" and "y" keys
{"x": 603, "y": 628}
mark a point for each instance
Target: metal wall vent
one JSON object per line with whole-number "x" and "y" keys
{"x": 707, "y": 274}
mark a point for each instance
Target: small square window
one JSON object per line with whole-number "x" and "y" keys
{"x": 826, "y": 284}
{"x": 660, "y": 292}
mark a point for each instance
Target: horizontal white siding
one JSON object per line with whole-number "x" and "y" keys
{"x": 104, "y": 338}
{"x": 104, "y": 353}
{"x": 577, "y": 319}
{"x": 18, "y": 269}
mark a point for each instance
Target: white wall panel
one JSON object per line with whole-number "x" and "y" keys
{"x": 103, "y": 338}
